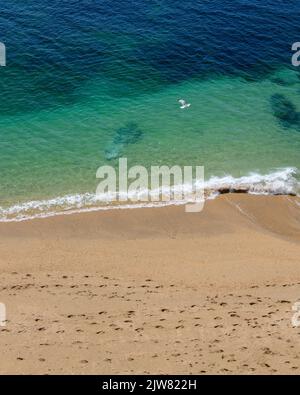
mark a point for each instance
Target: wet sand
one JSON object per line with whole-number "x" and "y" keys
{"x": 154, "y": 290}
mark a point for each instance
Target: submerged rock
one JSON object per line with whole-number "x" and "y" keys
{"x": 284, "y": 110}
{"x": 240, "y": 190}
{"x": 225, "y": 190}
{"x": 129, "y": 134}
{"x": 113, "y": 152}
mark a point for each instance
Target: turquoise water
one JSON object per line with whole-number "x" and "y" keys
{"x": 68, "y": 95}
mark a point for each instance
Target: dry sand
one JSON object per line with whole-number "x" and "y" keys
{"x": 154, "y": 290}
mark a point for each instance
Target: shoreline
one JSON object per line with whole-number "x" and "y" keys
{"x": 146, "y": 206}
{"x": 281, "y": 182}
{"x": 154, "y": 290}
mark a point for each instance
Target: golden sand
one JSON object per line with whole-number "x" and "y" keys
{"x": 154, "y": 290}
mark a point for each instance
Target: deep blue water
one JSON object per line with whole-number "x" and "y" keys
{"x": 53, "y": 47}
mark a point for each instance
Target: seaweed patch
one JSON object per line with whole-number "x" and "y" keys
{"x": 285, "y": 111}
{"x": 128, "y": 134}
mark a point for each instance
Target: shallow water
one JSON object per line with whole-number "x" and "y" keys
{"x": 70, "y": 87}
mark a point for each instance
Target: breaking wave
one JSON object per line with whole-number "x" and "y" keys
{"x": 280, "y": 182}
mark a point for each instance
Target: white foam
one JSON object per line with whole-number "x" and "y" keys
{"x": 282, "y": 181}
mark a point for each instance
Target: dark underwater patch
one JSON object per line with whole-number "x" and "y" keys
{"x": 278, "y": 81}
{"x": 285, "y": 111}
{"x": 126, "y": 135}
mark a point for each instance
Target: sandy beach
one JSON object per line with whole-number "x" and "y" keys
{"x": 154, "y": 290}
